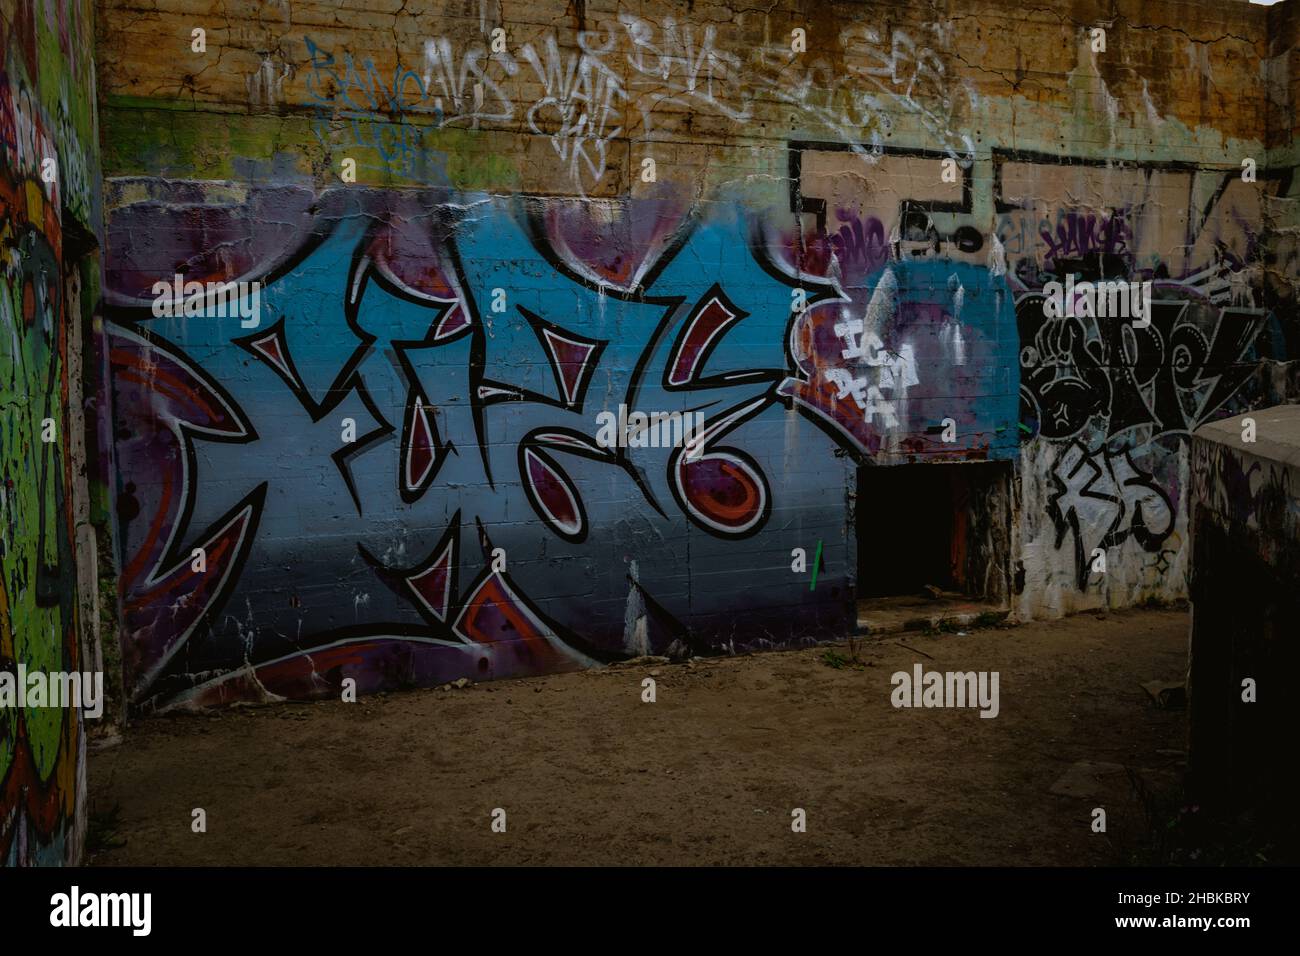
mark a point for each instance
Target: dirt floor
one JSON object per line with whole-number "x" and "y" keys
{"x": 708, "y": 774}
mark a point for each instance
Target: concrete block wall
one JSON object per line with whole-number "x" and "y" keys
{"x": 49, "y": 284}
{"x": 1245, "y": 588}
{"x": 830, "y": 244}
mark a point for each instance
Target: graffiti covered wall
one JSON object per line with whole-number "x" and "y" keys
{"x": 1107, "y": 407}
{"x": 422, "y": 388}
{"x": 49, "y": 198}
{"x": 457, "y": 243}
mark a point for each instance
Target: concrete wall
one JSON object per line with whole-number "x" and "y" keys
{"x": 1246, "y": 601}
{"x": 921, "y": 171}
{"x": 49, "y": 282}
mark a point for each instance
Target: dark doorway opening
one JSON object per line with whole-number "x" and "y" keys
{"x": 904, "y": 526}
{"x": 931, "y": 529}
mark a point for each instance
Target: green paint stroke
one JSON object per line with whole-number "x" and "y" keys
{"x": 817, "y": 563}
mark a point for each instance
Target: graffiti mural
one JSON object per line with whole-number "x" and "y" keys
{"x": 1099, "y": 490}
{"x": 398, "y": 471}
{"x": 928, "y": 333}
{"x": 1107, "y": 404}
{"x": 425, "y": 380}
{"x": 45, "y": 180}
{"x": 424, "y": 386}
{"x": 38, "y": 745}
{"x": 472, "y": 341}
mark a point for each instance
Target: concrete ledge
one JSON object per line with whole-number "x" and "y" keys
{"x": 1277, "y": 434}
{"x": 1251, "y": 486}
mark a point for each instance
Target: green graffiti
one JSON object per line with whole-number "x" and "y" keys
{"x": 33, "y": 526}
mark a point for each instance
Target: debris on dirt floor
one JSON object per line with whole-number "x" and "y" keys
{"x": 460, "y": 683}
{"x": 833, "y": 659}
{"x": 1102, "y": 780}
{"x": 933, "y": 591}
{"x": 914, "y": 650}
{"x": 1087, "y": 779}
{"x": 106, "y": 741}
{"x": 678, "y": 651}
{"x": 1167, "y": 695}
{"x": 643, "y": 661}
